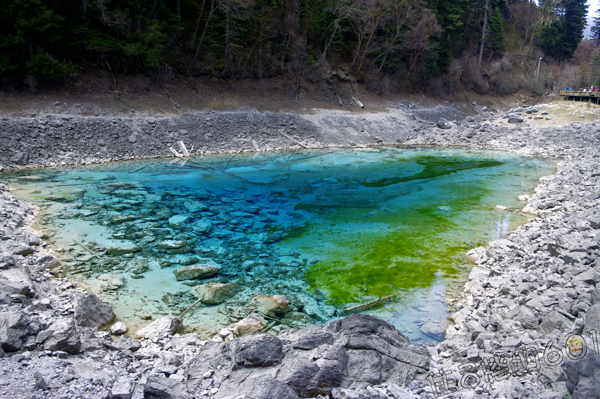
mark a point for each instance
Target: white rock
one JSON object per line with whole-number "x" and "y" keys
{"x": 160, "y": 328}
{"x": 119, "y": 328}
{"x": 249, "y": 325}
{"x": 112, "y": 281}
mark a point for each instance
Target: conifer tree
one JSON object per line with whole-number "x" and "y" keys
{"x": 560, "y": 39}
{"x": 496, "y": 37}
{"x": 595, "y": 28}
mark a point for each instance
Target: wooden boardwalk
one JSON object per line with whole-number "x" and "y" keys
{"x": 589, "y": 96}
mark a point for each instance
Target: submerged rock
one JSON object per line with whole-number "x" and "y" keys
{"x": 111, "y": 281}
{"x": 123, "y": 250}
{"x": 171, "y": 244}
{"x": 270, "y": 305}
{"x": 196, "y": 271}
{"x": 214, "y": 293}
{"x": 138, "y": 266}
{"x": 118, "y": 219}
{"x": 179, "y": 222}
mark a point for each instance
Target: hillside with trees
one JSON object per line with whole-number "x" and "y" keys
{"x": 389, "y": 46}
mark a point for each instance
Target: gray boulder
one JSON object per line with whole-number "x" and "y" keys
{"x": 592, "y": 318}
{"x": 258, "y": 351}
{"x": 158, "y": 387}
{"x": 64, "y": 336}
{"x": 527, "y": 318}
{"x": 90, "y": 311}
{"x": 262, "y": 387}
{"x": 13, "y": 328}
{"x": 17, "y": 281}
{"x": 349, "y": 353}
{"x": 443, "y": 124}
{"x": 122, "y": 388}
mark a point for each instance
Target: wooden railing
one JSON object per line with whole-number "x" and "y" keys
{"x": 579, "y": 93}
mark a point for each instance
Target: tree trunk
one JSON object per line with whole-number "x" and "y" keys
{"x": 210, "y": 13}
{"x": 198, "y": 23}
{"x": 485, "y": 17}
{"x": 528, "y": 21}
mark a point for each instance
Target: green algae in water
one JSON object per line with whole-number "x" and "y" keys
{"x": 321, "y": 227}
{"x": 400, "y": 245}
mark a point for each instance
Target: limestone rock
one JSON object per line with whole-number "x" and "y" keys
{"x": 527, "y": 318}
{"x": 63, "y": 336}
{"x": 118, "y": 219}
{"x": 160, "y": 387}
{"x": 13, "y": 329}
{"x": 477, "y": 255}
{"x": 90, "y": 311}
{"x": 259, "y": 350}
{"x": 249, "y": 325}
{"x": 138, "y": 266}
{"x": 40, "y": 383}
{"x": 161, "y": 327}
{"x": 442, "y": 124}
{"x": 202, "y": 227}
{"x": 179, "y": 222}
{"x": 196, "y": 271}
{"x": 119, "y": 328}
{"x": 515, "y": 119}
{"x": 122, "y": 388}
{"x": 351, "y": 353}
{"x": 171, "y": 244}
{"x": 214, "y": 293}
{"x": 16, "y": 281}
{"x": 21, "y": 249}
{"x": 592, "y": 318}
{"x": 263, "y": 387}
{"x": 270, "y": 305}
{"x": 195, "y": 206}
{"x": 111, "y": 281}
{"x": 123, "y": 250}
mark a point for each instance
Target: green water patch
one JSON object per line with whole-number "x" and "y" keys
{"x": 436, "y": 167}
{"x": 397, "y": 248}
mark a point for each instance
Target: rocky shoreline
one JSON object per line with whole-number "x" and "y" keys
{"x": 527, "y": 296}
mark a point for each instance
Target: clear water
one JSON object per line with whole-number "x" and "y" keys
{"x": 328, "y": 229}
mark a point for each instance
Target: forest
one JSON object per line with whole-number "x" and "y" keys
{"x": 388, "y": 45}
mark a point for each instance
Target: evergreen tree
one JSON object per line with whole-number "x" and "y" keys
{"x": 496, "y": 35}
{"x": 450, "y": 15}
{"x": 595, "y": 28}
{"x": 560, "y": 39}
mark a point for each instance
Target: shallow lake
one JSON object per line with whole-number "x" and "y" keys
{"x": 328, "y": 229}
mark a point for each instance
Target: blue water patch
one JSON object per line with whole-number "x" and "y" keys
{"x": 331, "y": 230}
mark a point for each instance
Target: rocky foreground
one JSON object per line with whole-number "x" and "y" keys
{"x": 526, "y": 324}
